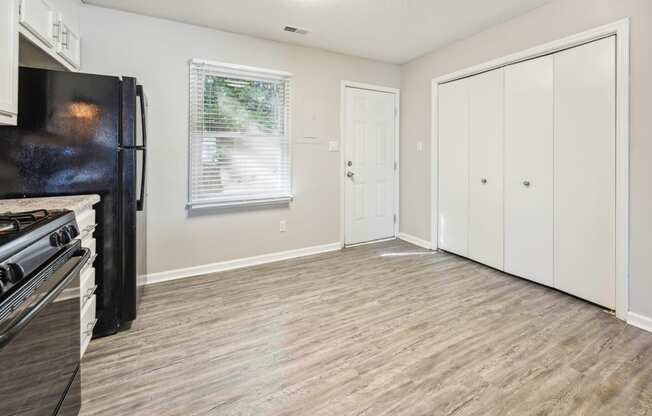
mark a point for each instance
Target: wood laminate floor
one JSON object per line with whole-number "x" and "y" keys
{"x": 382, "y": 329}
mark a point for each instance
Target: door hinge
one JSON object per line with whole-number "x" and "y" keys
{"x": 395, "y": 165}
{"x": 394, "y": 218}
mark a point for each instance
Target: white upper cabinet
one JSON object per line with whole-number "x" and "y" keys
{"x": 454, "y": 167}
{"x": 38, "y": 17}
{"x": 9, "y": 66}
{"x": 53, "y": 27}
{"x": 529, "y": 170}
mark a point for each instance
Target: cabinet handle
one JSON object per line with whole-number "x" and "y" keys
{"x": 89, "y": 294}
{"x": 526, "y": 184}
{"x": 56, "y": 31}
{"x": 90, "y": 327}
{"x": 483, "y": 181}
{"x": 65, "y": 35}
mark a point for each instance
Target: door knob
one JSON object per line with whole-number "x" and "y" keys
{"x": 483, "y": 181}
{"x": 526, "y": 184}
{"x": 349, "y": 174}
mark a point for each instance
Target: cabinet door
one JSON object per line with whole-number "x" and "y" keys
{"x": 69, "y": 44}
{"x": 8, "y": 65}
{"x": 453, "y": 167}
{"x": 585, "y": 184}
{"x": 529, "y": 170}
{"x": 486, "y": 168}
{"x": 37, "y": 16}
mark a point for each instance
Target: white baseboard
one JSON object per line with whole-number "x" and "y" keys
{"x": 415, "y": 240}
{"x": 235, "y": 264}
{"x": 639, "y": 321}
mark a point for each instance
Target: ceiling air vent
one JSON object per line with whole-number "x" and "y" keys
{"x": 297, "y": 30}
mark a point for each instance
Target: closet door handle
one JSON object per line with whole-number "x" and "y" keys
{"x": 526, "y": 184}
{"x": 483, "y": 181}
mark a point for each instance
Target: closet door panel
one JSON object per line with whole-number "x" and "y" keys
{"x": 453, "y": 167}
{"x": 584, "y": 175}
{"x": 529, "y": 170}
{"x": 486, "y": 168}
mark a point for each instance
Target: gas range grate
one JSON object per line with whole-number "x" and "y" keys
{"x": 13, "y": 222}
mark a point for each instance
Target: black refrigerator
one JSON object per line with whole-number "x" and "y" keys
{"x": 85, "y": 134}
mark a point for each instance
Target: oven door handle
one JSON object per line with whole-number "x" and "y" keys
{"x": 24, "y": 320}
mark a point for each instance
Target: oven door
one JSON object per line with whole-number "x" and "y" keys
{"x": 39, "y": 342}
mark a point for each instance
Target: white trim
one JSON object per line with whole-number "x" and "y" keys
{"x": 639, "y": 321}
{"x": 397, "y": 148}
{"x": 415, "y": 240}
{"x": 235, "y": 264}
{"x": 621, "y": 30}
{"x": 434, "y": 166}
{"x": 243, "y": 69}
{"x": 244, "y": 203}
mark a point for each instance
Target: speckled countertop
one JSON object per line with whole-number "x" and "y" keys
{"x": 76, "y": 203}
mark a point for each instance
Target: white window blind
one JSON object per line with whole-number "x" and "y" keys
{"x": 239, "y": 138}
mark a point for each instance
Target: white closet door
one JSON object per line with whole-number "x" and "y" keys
{"x": 585, "y": 187}
{"x": 453, "y": 167}
{"x": 486, "y": 115}
{"x": 529, "y": 169}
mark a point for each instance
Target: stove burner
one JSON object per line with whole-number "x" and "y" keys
{"x": 13, "y": 222}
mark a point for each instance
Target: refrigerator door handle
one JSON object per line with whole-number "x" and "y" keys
{"x": 140, "y": 203}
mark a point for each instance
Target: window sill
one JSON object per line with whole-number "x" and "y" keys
{"x": 235, "y": 204}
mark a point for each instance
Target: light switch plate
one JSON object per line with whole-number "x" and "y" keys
{"x": 419, "y": 146}
{"x": 333, "y": 146}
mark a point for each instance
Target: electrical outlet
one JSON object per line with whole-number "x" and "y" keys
{"x": 283, "y": 226}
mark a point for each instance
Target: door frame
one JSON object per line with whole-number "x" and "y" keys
{"x": 397, "y": 118}
{"x": 621, "y": 29}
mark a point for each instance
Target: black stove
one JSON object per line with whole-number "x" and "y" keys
{"x": 40, "y": 258}
{"x": 28, "y": 239}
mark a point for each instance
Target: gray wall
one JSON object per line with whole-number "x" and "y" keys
{"x": 547, "y": 23}
{"x": 157, "y": 52}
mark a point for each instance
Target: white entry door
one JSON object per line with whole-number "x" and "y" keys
{"x": 369, "y": 155}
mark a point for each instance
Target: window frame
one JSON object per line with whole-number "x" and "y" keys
{"x": 246, "y": 72}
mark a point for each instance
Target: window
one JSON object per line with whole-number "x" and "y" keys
{"x": 239, "y": 135}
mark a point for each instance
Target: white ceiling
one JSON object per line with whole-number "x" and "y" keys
{"x": 387, "y": 30}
